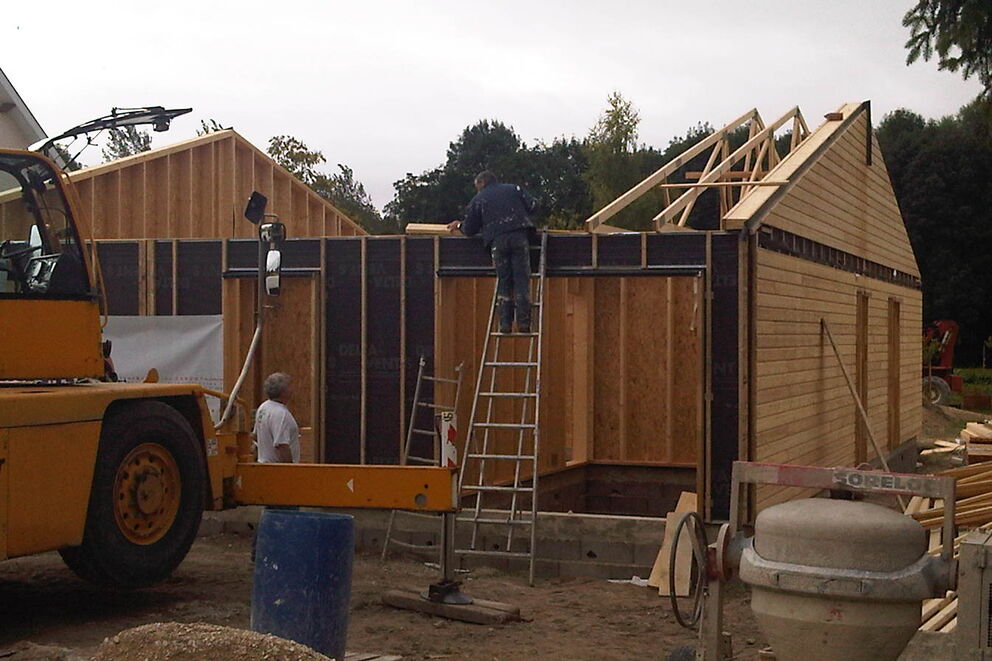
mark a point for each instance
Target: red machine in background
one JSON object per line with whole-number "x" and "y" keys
{"x": 939, "y": 339}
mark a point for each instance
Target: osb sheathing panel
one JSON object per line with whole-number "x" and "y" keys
{"x": 198, "y": 189}
{"x": 290, "y": 344}
{"x": 622, "y": 370}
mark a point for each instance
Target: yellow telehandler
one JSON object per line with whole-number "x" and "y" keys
{"x": 116, "y": 476}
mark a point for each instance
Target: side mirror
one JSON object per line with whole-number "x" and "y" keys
{"x": 273, "y": 267}
{"x": 255, "y": 211}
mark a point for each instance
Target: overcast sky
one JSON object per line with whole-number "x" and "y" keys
{"x": 385, "y": 86}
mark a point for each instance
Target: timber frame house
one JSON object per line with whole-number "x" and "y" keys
{"x": 669, "y": 353}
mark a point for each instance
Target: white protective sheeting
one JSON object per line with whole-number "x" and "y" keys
{"x": 184, "y": 349}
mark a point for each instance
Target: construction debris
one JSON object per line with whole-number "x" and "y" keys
{"x": 977, "y": 437}
{"x": 972, "y": 510}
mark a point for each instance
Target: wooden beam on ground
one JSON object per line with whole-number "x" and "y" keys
{"x": 479, "y": 611}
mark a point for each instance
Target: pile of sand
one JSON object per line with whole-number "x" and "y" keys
{"x": 199, "y": 642}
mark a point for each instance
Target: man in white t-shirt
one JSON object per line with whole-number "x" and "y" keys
{"x": 276, "y": 431}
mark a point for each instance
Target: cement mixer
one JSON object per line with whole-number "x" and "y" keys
{"x": 830, "y": 579}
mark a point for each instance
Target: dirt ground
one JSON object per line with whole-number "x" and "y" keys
{"x": 50, "y": 615}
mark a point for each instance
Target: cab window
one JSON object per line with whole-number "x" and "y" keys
{"x": 40, "y": 252}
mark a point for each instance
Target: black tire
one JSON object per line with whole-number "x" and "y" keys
{"x": 682, "y": 653}
{"x": 936, "y": 392}
{"x": 116, "y": 557}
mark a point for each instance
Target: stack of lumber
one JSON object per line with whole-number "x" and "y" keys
{"x": 977, "y": 436}
{"x": 972, "y": 510}
{"x": 974, "y": 499}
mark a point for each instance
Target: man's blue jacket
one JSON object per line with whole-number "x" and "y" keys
{"x": 497, "y": 209}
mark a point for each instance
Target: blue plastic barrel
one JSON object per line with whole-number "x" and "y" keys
{"x": 303, "y": 578}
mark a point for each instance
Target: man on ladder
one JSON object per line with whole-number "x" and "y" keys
{"x": 501, "y": 212}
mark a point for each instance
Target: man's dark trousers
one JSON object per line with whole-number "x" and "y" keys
{"x": 511, "y": 257}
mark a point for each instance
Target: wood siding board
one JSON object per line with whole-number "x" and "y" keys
{"x": 796, "y": 371}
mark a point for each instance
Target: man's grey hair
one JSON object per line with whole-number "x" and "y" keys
{"x": 275, "y": 385}
{"x": 485, "y": 178}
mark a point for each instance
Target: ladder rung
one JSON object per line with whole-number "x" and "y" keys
{"x": 424, "y": 432}
{"x": 510, "y": 457}
{"x": 422, "y": 460}
{"x": 533, "y": 303}
{"x": 505, "y": 364}
{"x": 497, "y": 554}
{"x": 504, "y": 425}
{"x": 481, "y": 487}
{"x": 442, "y": 407}
{"x": 507, "y": 394}
{"x": 408, "y": 545}
{"x": 505, "y": 522}
{"x": 499, "y": 334}
{"x": 418, "y": 515}
{"x": 439, "y": 379}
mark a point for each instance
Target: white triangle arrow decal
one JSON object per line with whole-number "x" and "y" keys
{"x": 351, "y": 485}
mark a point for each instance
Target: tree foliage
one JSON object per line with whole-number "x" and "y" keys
{"x": 959, "y": 32}
{"x": 341, "y": 188}
{"x": 124, "y": 142}
{"x": 552, "y": 172}
{"x": 941, "y": 171}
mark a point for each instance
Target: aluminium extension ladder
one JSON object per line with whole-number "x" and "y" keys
{"x": 500, "y": 412}
{"x": 406, "y": 458}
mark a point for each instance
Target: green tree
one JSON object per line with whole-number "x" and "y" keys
{"x": 941, "y": 171}
{"x": 613, "y": 169}
{"x": 340, "y": 189}
{"x": 124, "y": 142}
{"x": 959, "y": 32}
{"x": 439, "y": 195}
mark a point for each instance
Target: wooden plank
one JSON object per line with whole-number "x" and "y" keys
{"x": 478, "y": 612}
{"x": 659, "y": 571}
{"x": 427, "y": 228}
{"x": 606, "y": 387}
{"x": 683, "y": 561}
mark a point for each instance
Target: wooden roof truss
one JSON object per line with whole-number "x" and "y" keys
{"x": 732, "y": 173}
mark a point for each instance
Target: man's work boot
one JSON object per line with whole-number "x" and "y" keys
{"x": 505, "y": 316}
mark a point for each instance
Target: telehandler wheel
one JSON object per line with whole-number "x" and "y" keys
{"x": 936, "y": 392}
{"x": 147, "y": 498}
